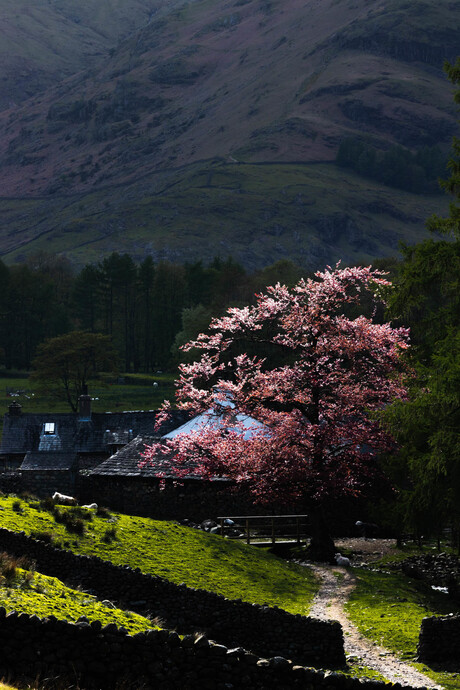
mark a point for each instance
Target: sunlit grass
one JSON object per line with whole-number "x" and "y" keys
{"x": 43, "y": 596}
{"x": 177, "y": 553}
{"x": 137, "y": 393}
{"x": 388, "y": 608}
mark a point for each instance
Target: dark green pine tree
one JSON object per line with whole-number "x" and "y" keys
{"x": 145, "y": 335}
{"x": 427, "y": 298}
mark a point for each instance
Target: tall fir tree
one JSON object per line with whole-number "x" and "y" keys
{"x": 427, "y": 298}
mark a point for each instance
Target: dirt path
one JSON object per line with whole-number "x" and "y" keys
{"x": 328, "y": 604}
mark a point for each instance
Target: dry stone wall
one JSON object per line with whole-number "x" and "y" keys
{"x": 264, "y": 630}
{"x": 10, "y": 482}
{"x": 196, "y": 499}
{"x": 44, "y": 483}
{"x": 439, "y": 640}
{"x": 103, "y": 658}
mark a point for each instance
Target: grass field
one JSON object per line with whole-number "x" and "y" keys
{"x": 109, "y": 394}
{"x": 388, "y": 608}
{"x": 36, "y": 594}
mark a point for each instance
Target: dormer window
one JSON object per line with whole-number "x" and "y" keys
{"x": 50, "y": 429}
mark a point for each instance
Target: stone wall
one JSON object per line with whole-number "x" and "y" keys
{"x": 263, "y": 630}
{"x": 195, "y": 500}
{"x": 10, "y": 482}
{"x": 439, "y": 641}
{"x": 44, "y": 483}
{"x": 104, "y": 658}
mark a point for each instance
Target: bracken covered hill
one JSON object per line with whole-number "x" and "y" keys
{"x": 134, "y": 140}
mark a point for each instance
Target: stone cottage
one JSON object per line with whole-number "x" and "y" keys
{"x": 154, "y": 489}
{"x": 46, "y": 452}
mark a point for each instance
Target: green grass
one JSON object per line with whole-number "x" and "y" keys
{"x": 388, "y": 608}
{"x": 45, "y": 596}
{"x": 363, "y": 672}
{"x": 178, "y": 554}
{"x": 137, "y": 393}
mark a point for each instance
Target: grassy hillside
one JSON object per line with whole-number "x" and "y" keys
{"x": 314, "y": 214}
{"x": 176, "y": 553}
{"x": 27, "y": 591}
{"x": 43, "y": 42}
{"x": 387, "y": 608}
{"x": 139, "y": 152}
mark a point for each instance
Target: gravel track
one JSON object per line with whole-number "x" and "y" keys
{"x": 328, "y": 604}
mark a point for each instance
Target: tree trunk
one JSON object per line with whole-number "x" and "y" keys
{"x": 321, "y": 547}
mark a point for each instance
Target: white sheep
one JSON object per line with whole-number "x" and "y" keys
{"x": 63, "y": 499}
{"x": 91, "y": 506}
{"x": 342, "y": 560}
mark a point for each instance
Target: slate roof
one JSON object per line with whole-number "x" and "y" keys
{"x": 23, "y": 433}
{"x": 125, "y": 463}
{"x": 211, "y": 419}
{"x": 52, "y": 460}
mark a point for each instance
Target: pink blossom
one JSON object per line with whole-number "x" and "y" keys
{"x": 315, "y": 384}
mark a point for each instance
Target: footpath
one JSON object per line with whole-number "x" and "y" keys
{"x": 329, "y": 605}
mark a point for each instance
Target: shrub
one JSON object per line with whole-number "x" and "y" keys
{"x": 17, "y": 506}
{"x": 44, "y": 536}
{"x": 71, "y": 522}
{"x": 47, "y": 504}
{"x": 27, "y": 496}
{"x": 109, "y": 535}
{"x": 74, "y": 525}
{"x": 10, "y": 564}
{"x": 103, "y": 512}
{"x": 82, "y": 513}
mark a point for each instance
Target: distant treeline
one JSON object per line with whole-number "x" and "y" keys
{"x": 148, "y": 308}
{"x": 396, "y": 167}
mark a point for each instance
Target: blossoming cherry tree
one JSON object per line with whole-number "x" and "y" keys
{"x": 311, "y": 377}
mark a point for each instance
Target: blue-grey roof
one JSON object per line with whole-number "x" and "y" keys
{"x": 49, "y": 460}
{"x": 25, "y": 432}
{"x": 125, "y": 463}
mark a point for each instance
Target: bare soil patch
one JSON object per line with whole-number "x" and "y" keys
{"x": 367, "y": 550}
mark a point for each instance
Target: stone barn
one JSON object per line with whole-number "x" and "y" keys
{"x": 155, "y": 491}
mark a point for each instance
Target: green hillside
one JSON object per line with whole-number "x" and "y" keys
{"x": 313, "y": 214}
{"x": 27, "y": 591}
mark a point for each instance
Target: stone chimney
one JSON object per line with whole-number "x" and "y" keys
{"x": 14, "y": 409}
{"x": 84, "y": 406}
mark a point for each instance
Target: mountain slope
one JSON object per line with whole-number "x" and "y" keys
{"x": 45, "y": 41}
{"x": 312, "y": 213}
{"x": 247, "y": 81}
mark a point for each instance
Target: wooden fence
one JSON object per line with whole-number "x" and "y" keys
{"x": 266, "y": 529}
